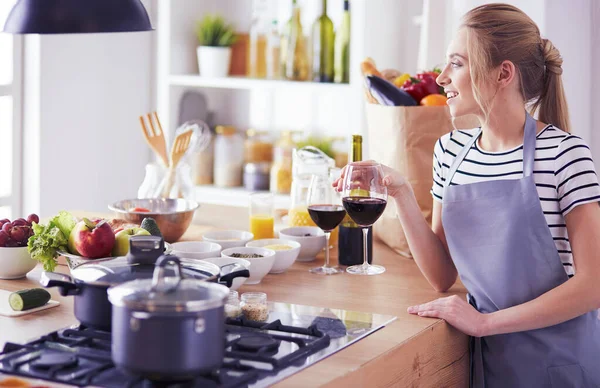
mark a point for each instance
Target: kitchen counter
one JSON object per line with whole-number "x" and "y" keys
{"x": 411, "y": 351}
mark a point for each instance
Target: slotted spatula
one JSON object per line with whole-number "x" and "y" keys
{"x": 180, "y": 147}
{"x": 154, "y": 138}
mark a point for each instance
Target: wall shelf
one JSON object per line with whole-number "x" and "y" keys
{"x": 245, "y": 83}
{"x": 233, "y": 196}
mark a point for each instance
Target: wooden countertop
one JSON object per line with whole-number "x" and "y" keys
{"x": 411, "y": 351}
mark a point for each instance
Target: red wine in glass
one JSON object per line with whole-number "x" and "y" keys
{"x": 327, "y": 217}
{"x": 364, "y": 210}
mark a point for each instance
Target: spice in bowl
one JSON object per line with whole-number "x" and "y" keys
{"x": 246, "y": 255}
{"x": 254, "y": 306}
{"x": 278, "y": 247}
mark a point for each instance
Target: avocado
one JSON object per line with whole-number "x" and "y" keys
{"x": 150, "y": 225}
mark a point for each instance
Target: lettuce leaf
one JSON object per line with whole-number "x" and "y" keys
{"x": 65, "y": 222}
{"x": 45, "y": 243}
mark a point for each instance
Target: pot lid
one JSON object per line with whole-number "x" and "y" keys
{"x": 166, "y": 293}
{"x": 138, "y": 264}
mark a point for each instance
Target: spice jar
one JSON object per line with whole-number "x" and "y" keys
{"x": 229, "y": 157}
{"x": 257, "y": 148}
{"x": 254, "y": 306}
{"x": 232, "y": 306}
{"x": 281, "y": 172}
{"x": 256, "y": 176}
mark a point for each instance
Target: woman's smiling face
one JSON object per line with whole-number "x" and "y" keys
{"x": 456, "y": 78}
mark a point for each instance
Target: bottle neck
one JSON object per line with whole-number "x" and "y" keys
{"x": 356, "y": 151}
{"x": 346, "y": 5}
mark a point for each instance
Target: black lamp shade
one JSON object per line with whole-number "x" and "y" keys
{"x": 77, "y": 17}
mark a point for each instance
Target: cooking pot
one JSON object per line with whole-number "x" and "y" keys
{"x": 168, "y": 327}
{"x": 90, "y": 280}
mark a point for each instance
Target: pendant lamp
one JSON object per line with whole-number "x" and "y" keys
{"x": 77, "y": 17}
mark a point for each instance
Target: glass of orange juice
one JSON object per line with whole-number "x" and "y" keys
{"x": 261, "y": 215}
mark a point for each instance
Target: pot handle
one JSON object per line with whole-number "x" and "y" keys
{"x": 145, "y": 249}
{"x": 63, "y": 282}
{"x": 235, "y": 272}
{"x": 158, "y": 277}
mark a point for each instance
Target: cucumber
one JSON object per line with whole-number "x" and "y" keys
{"x": 150, "y": 225}
{"x": 28, "y": 299}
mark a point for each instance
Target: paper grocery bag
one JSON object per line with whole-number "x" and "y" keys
{"x": 403, "y": 138}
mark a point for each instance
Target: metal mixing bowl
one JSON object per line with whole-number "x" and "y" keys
{"x": 173, "y": 215}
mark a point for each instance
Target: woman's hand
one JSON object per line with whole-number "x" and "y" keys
{"x": 457, "y": 312}
{"x": 392, "y": 179}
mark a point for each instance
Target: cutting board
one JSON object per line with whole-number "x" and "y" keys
{"x": 6, "y": 311}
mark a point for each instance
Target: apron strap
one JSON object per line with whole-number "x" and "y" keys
{"x": 460, "y": 157}
{"x": 477, "y": 373}
{"x": 529, "y": 138}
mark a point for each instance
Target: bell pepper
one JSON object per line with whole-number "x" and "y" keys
{"x": 421, "y": 86}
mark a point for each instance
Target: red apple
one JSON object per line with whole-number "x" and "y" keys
{"x": 93, "y": 239}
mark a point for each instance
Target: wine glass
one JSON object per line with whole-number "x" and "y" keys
{"x": 326, "y": 210}
{"x": 365, "y": 199}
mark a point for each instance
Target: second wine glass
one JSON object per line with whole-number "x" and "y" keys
{"x": 326, "y": 210}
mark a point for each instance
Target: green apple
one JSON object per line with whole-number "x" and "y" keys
{"x": 121, "y": 247}
{"x": 71, "y": 242}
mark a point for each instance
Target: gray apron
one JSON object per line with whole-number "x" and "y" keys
{"x": 503, "y": 250}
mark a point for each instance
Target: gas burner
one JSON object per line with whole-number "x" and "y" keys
{"x": 256, "y": 343}
{"x": 54, "y": 360}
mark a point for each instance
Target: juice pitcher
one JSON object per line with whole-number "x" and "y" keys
{"x": 306, "y": 161}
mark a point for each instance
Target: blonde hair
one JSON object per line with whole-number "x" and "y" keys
{"x": 499, "y": 32}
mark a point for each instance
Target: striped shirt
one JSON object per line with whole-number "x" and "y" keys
{"x": 563, "y": 171}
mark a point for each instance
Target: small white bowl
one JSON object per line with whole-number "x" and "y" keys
{"x": 223, "y": 261}
{"x": 196, "y": 249}
{"x": 311, "y": 245}
{"x": 284, "y": 258}
{"x": 228, "y": 238}
{"x": 15, "y": 262}
{"x": 259, "y": 266}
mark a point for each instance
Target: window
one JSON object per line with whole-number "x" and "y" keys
{"x": 10, "y": 118}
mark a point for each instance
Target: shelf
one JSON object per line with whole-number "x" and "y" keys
{"x": 245, "y": 83}
{"x": 234, "y": 196}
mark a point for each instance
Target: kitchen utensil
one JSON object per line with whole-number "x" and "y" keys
{"x": 190, "y": 312}
{"x": 284, "y": 258}
{"x": 7, "y": 311}
{"x": 193, "y": 106}
{"x": 228, "y": 238}
{"x": 154, "y": 138}
{"x": 259, "y": 266}
{"x": 15, "y": 262}
{"x": 311, "y": 239}
{"x": 180, "y": 147}
{"x": 197, "y": 250}
{"x": 173, "y": 215}
{"x": 89, "y": 281}
{"x": 225, "y": 262}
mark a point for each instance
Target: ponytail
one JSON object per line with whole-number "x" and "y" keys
{"x": 552, "y": 103}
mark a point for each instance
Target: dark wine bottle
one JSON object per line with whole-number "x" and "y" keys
{"x": 350, "y": 243}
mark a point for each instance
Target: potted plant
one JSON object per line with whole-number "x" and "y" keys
{"x": 215, "y": 38}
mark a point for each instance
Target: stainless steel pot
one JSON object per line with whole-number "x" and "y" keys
{"x": 168, "y": 327}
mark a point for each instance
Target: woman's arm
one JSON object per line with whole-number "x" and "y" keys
{"x": 571, "y": 299}
{"x": 427, "y": 244}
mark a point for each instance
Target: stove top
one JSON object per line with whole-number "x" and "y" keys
{"x": 256, "y": 354}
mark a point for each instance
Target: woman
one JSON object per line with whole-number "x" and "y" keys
{"x": 515, "y": 212}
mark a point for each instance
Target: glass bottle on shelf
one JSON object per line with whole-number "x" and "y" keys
{"x": 257, "y": 45}
{"x": 350, "y": 240}
{"x": 273, "y": 51}
{"x": 283, "y": 46}
{"x": 322, "y": 42}
{"x": 342, "y": 48}
{"x": 297, "y": 65}
{"x": 229, "y": 157}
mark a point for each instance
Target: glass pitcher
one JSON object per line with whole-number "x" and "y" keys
{"x": 306, "y": 161}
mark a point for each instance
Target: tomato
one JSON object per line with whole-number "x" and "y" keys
{"x": 434, "y": 100}
{"x": 140, "y": 210}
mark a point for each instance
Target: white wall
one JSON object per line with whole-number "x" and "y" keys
{"x": 83, "y": 96}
